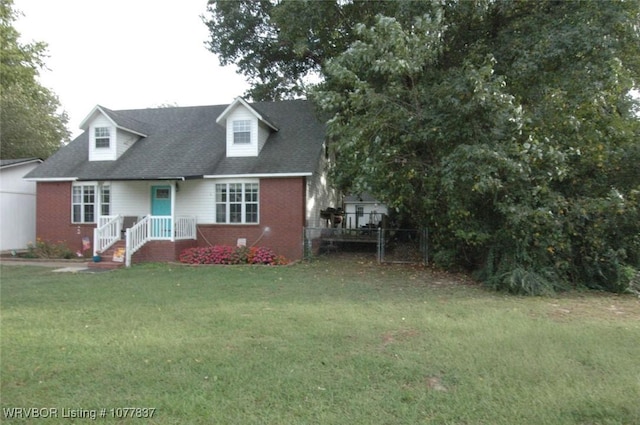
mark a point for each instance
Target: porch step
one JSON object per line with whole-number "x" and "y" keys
{"x": 107, "y": 262}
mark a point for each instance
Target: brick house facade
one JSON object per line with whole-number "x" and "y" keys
{"x": 262, "y": 189}
{"x": 53, "y": 216}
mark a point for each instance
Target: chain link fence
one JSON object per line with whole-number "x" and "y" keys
{"x": 409, "y": 246}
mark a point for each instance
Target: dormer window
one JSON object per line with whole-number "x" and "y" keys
{"x": 242, "y": 132}
{"x": 102, "y": 137}
{"x": 247, "y": 130}
{"x": 110, "y": 133}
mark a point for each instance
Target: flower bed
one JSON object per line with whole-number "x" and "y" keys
{"x": 224, "y": 254}
{"x": 46, "y": 249}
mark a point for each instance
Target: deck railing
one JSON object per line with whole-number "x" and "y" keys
{"x": 107, "y": 233}
{"x": 352, "y": 220}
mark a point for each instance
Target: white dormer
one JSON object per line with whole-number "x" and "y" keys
{"x": 108, "y": 139}
{"x": 247, "y": 129}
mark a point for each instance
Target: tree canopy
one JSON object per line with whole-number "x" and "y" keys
{"x": 31, "y": 122}
{"x": 505, "y": 127}
{"x": 278, "y": 45}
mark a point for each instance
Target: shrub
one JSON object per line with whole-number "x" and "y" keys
{"x": 45, "y": 249}
{"x": 223, "y": 254}
{"x": 207, "y": 255}
{"x": 261, "y": 255}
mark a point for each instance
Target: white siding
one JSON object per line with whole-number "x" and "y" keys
{"x": 102, "y": 154}
{"x": 17, "y": 208}
{"x": 120, "y": 140}
{"x": 124, "y": 140}
{"x": 196, "y": 198}
{"x": 263, "y": 135}
{"x": 319, "y": 195}
{"x": 249, "y": 149}
{"x": 131, "y": 198}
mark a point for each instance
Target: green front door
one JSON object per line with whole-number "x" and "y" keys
{"x": 161, "y": 211}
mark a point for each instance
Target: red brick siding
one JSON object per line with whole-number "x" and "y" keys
{"x": 161, "y": 251}
{"x": 53, "y": 217}
{"x": 282, "y": 210}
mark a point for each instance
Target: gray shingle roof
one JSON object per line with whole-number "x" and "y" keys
{"x": 12, "y": 162}
{"x": 126, "y": 122}
{"x": 186, "y": 142}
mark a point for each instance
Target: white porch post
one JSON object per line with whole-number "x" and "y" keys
{"x": 98, "y": 215}
{"x": 173, "y": 211}
{"x": 95, "y": 241}
{"x": 127, "y": 248}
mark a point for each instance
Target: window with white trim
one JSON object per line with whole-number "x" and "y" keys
{"x": 105, "y": 200}
{"x": 102, "y": 137}
{"x": 242, "y": 132}
{"x": 83, "y": 204}
{"x": 89, "y": 199}
{"x": 237, "y": 203}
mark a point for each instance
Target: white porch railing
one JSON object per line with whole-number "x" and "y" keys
{"x": 158, "y": 228}
{"x": 136, "y": 237}
{"x": 185, "y": 227}
{"x": 107, "y": 233}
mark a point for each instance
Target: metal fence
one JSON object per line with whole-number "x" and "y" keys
{"x": 386, "y": 245}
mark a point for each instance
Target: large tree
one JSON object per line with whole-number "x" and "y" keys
{"x": 31, "y": 121}
{"x": 506, "y": 127}
{"x": 280, "y": 45}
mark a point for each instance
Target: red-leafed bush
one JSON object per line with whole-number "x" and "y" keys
{"x": 223, "y": 254}
{"x": 218, "y": 254}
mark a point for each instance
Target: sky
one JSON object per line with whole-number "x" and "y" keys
{"x": 126, "y": 54}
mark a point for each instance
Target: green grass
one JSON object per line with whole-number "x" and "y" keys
{"x": 326, "y": 342}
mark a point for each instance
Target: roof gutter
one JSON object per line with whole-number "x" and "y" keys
{"x": 51, "y": 179}
{"x": 77, "y": 179}
{"x": 25, "y": 162}
{"x": 264, "y": 175}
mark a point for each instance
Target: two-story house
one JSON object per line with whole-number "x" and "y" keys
{"x": 171, "y": 178}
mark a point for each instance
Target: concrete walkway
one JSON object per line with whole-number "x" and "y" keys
{"x": 58, "y": 265}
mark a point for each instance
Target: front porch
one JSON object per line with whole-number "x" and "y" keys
{"x": 137, "y": 232}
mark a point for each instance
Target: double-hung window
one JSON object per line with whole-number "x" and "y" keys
{"x": 105, "y": 200}
{"x": 242, "y": 132}
{"x": 237, "y": 203}
{"x": 83, "y": 204}
{"x": 102, "y": 137}
{"x": 87, "y": 200}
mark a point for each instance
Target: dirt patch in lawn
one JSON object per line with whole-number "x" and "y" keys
{"x": 399, "y": 335}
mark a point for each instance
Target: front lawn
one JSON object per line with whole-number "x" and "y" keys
{"x": 327, "y": 342}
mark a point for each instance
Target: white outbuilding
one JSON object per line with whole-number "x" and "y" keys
{"x": 17, "y": 204}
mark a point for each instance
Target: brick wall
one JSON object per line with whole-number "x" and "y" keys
{"x": 282, "y": 206}
{"x": 53, "y": 217}
{"x": 161, "y": 251}
{"x": 282, "y": 211}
